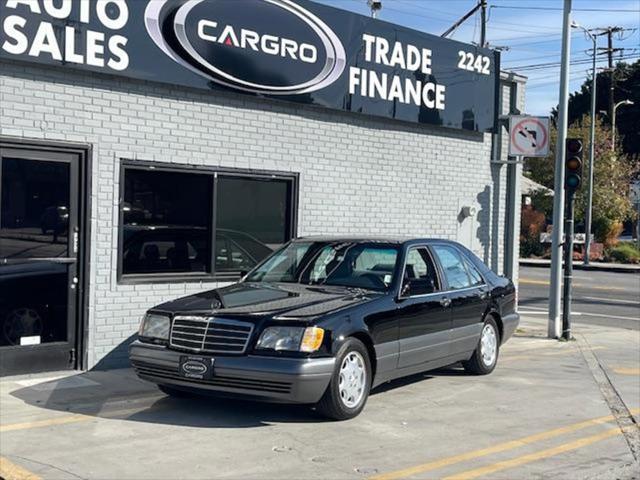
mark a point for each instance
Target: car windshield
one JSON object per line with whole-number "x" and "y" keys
{"x": 349, "y": 264}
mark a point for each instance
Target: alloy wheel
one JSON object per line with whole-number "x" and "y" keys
{"x": 488, "y": 345}
{"x": 352, "y": 380}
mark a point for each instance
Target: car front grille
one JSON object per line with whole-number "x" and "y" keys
{"x": 210, "y": 334}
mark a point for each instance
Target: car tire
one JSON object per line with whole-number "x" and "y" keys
{"x": 341, "y": 400}
{"x": 485, "y": 357}
{"x": 175, "y": 392}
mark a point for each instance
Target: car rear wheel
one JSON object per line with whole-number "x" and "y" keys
{"x": 349, "y": 387}
{"x": 485, "y": 356}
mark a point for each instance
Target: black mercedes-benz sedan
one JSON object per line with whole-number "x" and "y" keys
{"x": 323, "y": 320}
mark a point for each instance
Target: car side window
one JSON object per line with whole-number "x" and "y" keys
{"x": 453, "y": 267}
{"x": 476, "y": 278}
{"x": 420, "y": 272}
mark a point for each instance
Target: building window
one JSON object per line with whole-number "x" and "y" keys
{"x": 253, "y": 219}
{"x": 168, "y": 215}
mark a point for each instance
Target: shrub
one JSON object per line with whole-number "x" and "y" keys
{"x": 624, "y": 252}
{"x": 607, "y": 231}
{"x": 532, "y": 224}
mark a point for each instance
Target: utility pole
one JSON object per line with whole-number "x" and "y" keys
{"x": 609, "y": 31}
{"x": 453, "y": 27}
{"x": 592, "y": 133}
{"x": 592, "y": 163}
{"x": 611, "y": 72}
{"x": 483, "y": 26}
{"x": 553, "y": 330}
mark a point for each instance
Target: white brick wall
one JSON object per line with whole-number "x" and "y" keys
{"x": 358, "y": 174}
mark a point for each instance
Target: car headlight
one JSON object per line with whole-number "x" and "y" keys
{"x": 155, "y": 326}
{"x": 295, "y": 339}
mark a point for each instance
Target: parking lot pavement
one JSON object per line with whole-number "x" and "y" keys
{"x": 551, "y": 408}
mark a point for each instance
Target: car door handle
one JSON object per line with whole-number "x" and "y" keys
{"x": 445, "y": 301}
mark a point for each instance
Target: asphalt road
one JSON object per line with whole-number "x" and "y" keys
{"x": 599, "y": 298}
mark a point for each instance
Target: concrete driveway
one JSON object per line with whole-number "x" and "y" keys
{"x": 550, "y": 409}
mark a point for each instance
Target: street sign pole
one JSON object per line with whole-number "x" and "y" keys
{"x": 568, "y": 267}
{"x": 553, "y": 330}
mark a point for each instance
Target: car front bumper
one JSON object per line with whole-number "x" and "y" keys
{"x": 289, "y": 380}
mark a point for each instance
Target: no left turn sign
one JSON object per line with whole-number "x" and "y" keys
{"x": 529, "y": 136}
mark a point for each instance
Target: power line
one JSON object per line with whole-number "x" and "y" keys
{"x": 542, "y": 66}
{"x": 541, "y": 33}
{"x": 513, "y": 7}
{"x": 551, "y": 55}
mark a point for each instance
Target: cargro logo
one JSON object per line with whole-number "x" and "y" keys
{"x": 193, "y": 366}
{"x": 273, "y": 47}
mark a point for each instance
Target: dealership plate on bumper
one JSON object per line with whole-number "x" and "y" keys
{"x": 197, "y": 367}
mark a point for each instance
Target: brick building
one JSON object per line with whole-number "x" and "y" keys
{"x": 120, "y": 193}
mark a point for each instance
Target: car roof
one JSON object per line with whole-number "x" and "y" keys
{"x": 360, "y": 239}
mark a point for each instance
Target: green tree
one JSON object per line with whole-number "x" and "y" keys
{"x": 626, "y": 87}
{"x": 612, "y": 176}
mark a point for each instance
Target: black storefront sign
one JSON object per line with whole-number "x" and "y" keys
{"x": 297, "y": 51}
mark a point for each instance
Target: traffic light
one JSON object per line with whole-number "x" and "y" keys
{"x": 573, "y": 164}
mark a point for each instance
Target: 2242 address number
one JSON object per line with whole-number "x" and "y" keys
{"x": 469, "y": 61}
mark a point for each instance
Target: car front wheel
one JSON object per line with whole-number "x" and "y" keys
{"x": 485, "y": 356}
{"x": 349, "y": 387}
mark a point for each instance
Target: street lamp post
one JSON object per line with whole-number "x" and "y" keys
{"x": 592, "y": 133}
{"x": 613, "y": 122}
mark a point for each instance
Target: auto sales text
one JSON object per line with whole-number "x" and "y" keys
{"x": 76, "y": 44}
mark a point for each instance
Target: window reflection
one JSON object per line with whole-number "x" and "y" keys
{"x": 167, "y": 222}
{"x": 33, "y": 303}
{"x": 34, "y": 213}
{"x": 253, "y": 217}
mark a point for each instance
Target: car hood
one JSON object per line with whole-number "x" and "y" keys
{"x": 281, "y": 300}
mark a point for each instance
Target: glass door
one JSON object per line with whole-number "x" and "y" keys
{"x": 39, "y": 238}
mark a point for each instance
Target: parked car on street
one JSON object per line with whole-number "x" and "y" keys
{"x": 323, "y": 320}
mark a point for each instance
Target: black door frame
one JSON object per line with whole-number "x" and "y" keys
{"x": 84, "y": 153}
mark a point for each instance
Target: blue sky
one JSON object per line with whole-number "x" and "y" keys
{"x": 533, "y": 36}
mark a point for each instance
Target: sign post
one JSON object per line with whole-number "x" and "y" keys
{"x": 528, "y": 137}
{"x": 553, "y": 330}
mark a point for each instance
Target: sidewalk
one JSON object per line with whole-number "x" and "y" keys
{"x": 578, "y": 265}
{"x": 614, "y": 352}
{"x": 551, "y": 409}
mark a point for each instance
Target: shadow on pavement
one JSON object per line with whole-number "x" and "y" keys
{"x": 451, "y": 371}
{"x": 119, "y": 394}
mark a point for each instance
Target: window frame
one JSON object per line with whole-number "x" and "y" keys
{"x": 214, "y": 172}
{"x": 438, "y": 271}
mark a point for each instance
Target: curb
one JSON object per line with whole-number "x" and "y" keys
{"x": 591, "y": 267}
